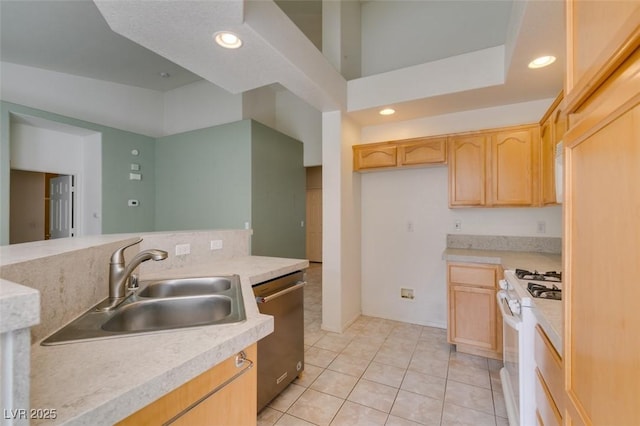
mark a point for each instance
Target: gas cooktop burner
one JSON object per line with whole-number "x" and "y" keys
{"x": 553, "y": 276}
{"x": 543, "y": 292}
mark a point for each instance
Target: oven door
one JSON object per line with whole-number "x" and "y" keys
{"x": 510, "y": 374}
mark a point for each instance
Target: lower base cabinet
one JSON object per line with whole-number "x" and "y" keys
{"x": 549, "y": 381}
{"x": 223, "y": 395}
{"x": 473, "y": 316}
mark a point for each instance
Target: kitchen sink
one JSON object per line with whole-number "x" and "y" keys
{"x": 185, "y": 287}
{"x": 162, "y": 314}
{"x": 157, "y": 306}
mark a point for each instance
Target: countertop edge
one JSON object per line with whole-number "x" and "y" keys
{"x": 19, "y": 306}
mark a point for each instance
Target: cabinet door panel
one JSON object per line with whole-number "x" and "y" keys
{"x": 603, "y": 246}
{"x": 375, "y": 156}
{"x": 425, "y": 151}
{"x": 547, "y": 163}
{"x": 467, "y": 170}
{"x": 472, "y": 316}
{"x": 512, "y": 168}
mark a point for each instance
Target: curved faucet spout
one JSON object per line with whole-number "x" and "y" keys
{"x": 119, "y": 273}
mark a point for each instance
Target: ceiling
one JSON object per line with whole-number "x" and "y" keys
{"x": 74, "y": 37}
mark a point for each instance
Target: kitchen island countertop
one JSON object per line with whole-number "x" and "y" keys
{"x": 104, "y": 381}
{"x": 548, "y": 312}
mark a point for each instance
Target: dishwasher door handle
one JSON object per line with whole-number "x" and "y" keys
{"x": 287, "y": 290}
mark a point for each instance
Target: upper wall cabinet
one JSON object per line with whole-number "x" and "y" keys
{"x": 467, "y": 170}
{"x": 552, "y": 129}
{"x": 495, "y": 168}
{"x": 417, "y": 152}
{"x": 405, "y": 153}
{"x": 514, "y": 167}
{"x": 600, "y": 35}
{"x": 375, "y": 156}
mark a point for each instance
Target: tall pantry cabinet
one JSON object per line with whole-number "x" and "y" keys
{"x": 601, "y": 214}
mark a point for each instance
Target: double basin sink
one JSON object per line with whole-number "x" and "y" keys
{"x": 160, "y": 305}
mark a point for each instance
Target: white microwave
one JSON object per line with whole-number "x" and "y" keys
{"x": 559, "y": 159}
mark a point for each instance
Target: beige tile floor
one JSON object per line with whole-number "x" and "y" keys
{"x": 382, "y": 372}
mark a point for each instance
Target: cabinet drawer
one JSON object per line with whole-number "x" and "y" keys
{"x": 238, "y": 397}
{"x": 550, "y": 365}
{"x": 476, "y": 275}
{"x": 546, "y": 410}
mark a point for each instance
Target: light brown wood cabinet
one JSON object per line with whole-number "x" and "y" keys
{"x": 472, "y": 309}
{"x": 601, "y": 211}
{"x": 468, "y": 170}
{"x": 549, "y": 381}
{"x": 552, "y": 128}
{"x": 422, "y": 151}
{"x": 233, "y": 404}
{"x": 494, "y": 168}
{"x": 375, "y": 156}
{"x": 404, "y": 153}
{"x": 514, "y": 167}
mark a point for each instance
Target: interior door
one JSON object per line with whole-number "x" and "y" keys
{"x": 314, "y": 225}
{"x": 61, "y": 207}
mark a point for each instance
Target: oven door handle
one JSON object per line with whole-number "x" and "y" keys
{"x": 508, "y": 317}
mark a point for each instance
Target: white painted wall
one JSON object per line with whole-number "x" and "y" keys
{"x": 341, "y": 224}
{"x": 475, "y": 70}
{"x": 102, "y": 102}
{"x": 486, "y": 118}
{"x": 351, "y": 226}
{"x": 199, "y": 105}
{"x": 298, "y": 119}
{"x": 405, "y": 219}
{"x": 45, "y": 150}
{"x": 399, "y": 34}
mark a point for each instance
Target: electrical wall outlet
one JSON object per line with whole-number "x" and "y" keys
{"x": 458, "y": 225}
{"x": 406, "y": 293}
{"x": 542, "y": 227}
{"x": 216, "y": 244}
{"x": 182, "y": 249}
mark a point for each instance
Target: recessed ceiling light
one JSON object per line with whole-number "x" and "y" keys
{"x": 387, "y": 111}
{"x": 227, "y": 39}
{"x": 542, "y": 61}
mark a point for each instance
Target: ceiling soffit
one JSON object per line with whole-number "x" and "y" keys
{"x": 274, "y": 50}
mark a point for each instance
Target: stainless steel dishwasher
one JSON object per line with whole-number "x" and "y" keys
{"x": 280, "y": 354}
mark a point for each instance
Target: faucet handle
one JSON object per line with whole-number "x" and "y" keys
{"x": 118, "y": 256}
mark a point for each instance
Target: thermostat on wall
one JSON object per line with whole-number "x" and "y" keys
{"x": 133, "y": 203}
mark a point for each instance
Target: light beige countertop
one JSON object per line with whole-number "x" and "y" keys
{"x": 104, "y": 381}
{"x": 548, "y": 312}
{"x": 19, "y": 306}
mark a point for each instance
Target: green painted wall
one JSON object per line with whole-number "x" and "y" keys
{"x": 218, "y": 177}
{"x": 116, "y": 187}
{"x": 203, "y": 178}
{"x": 278, "y": 193}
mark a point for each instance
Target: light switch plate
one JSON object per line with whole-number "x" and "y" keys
{"x": 182, "y": 249}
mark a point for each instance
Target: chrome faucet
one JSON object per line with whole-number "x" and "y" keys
{"x": 119, "y": 273}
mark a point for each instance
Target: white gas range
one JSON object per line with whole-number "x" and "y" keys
{"x": 521, "y": 291}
